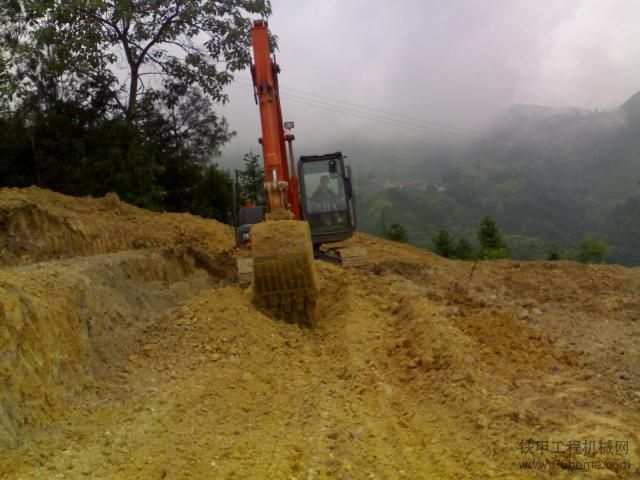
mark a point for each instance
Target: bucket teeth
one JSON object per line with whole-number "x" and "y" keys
{"x": 283, "y": 275}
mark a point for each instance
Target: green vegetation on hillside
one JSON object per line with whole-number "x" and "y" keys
{"x": 551, "y": 181}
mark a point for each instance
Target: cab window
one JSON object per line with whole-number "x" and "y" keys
{"x": 325, "y": 201}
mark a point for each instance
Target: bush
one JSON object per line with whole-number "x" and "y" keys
{"x": 444, "y": 244}
{"x": 397, "y": 233}
{"x": 592, "y": 250}
{"x": 492, "y": 244}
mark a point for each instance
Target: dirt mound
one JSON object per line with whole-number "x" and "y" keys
{"x": 39, "y": 225}
{"x": 57, "y": 317}
{"x": 417, "y": 368}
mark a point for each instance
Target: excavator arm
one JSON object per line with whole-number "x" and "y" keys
{"x": 282, "y": 249}
{"x": 281, "y": 184}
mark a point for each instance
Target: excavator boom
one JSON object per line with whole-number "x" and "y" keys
{"x": 281, "y": 185}
{"x": 283, "y": 276}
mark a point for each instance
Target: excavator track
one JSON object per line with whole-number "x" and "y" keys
{"x": 344, "y": 254}
{"x": 284, "y": 279}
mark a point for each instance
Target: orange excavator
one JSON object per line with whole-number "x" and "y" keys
{"x": 310, "y": 206}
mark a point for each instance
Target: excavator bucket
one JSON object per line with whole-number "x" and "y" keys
{"x": 283, "y": 275}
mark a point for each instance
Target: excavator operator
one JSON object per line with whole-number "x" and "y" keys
{"x": 324, "y": 199}
{"x": 326, "y": 205}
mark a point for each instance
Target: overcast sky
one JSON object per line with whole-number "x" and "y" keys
{"x": 454, "y": 62}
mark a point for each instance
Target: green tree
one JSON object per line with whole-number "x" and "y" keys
{"x": 464, "y": 250}
{"x": 623, "y": 231}
{"x": 4, "y": 85}
{"x": 592, "y": 250}
{"x": 213, "y": 197}
{"x": 444, "y": 244}
{"x": 492, "y": 244}
{"x": 397, "y": 233}
{"x": 78, "y": 126}
{"x": 252, "y": 179}
{"x": 183, "y": 136}
{"x": 70, "y": 148}
{"x": 554, "y": 254}
{"x": 180, "y": 45}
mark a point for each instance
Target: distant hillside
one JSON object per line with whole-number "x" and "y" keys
{"x": 540, "y": 111}
{"x": 595, "y": 154}
{"x": 548, "y": 175}
{"x": 631, "y": 108}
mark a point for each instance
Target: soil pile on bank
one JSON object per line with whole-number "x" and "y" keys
{"x": 40, "y": 225}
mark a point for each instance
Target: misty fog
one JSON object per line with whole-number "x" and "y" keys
{"x": 453, "y": 67}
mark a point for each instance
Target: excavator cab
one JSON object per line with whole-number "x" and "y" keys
{"x": 326, "y": 197}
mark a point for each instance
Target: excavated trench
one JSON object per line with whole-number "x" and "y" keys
{"x": 64, "y": 324}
